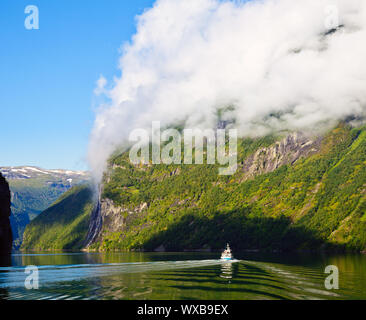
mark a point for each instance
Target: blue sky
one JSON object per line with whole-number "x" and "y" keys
{"x": 47, "y": 76}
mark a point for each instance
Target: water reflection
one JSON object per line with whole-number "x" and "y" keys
{"x": 227, "y": 270}
{"x": 180, "y": 276}
{"x": 5, "y": 261}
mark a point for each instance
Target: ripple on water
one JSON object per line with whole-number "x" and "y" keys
{"x": 191, "y": 279}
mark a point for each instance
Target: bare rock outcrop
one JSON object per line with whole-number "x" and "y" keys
{"x": 287, "y": 151}
{"x": 109, "y": 218}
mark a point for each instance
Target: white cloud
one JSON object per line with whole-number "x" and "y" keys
{"x": 265, "y": 57}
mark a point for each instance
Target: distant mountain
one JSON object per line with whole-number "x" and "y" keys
{"x": 33, "y": 190}
{"x": 23, "y": 173}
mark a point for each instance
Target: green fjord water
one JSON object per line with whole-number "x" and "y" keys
{"x": 181, "y": 276}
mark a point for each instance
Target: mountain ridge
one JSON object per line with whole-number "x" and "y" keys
{"x": 27, "y": 172}
{"x": 68, "y": 230}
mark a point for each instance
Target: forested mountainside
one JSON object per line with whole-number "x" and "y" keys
{"x": 34, "y": 190}
{"x": 292, "y": 192}
{"x": 5, "y": 230}
{"x": 289, "y": 193}
{"x": 64, "y": 225}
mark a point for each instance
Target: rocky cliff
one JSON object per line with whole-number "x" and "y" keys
{"x": 5, "y": 229}
{"x": 286, "y": 151}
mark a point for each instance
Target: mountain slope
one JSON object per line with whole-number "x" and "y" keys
{"x": 288, "y": 193}
{"x": 63, "y": 225}
{"x": 33, "y": 190}
{"x": 5, "y": 230}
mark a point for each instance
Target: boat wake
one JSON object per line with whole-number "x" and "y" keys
{"x": 15, "y": 276}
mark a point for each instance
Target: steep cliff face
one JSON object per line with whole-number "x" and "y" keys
{"x": 5, "y": 229}
{"x": 296, "y": 192}
{"x": 109, "y": 218}
{"x": 286, "y": 151}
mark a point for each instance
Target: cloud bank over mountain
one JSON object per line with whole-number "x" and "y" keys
{"x": 282, "y": 65}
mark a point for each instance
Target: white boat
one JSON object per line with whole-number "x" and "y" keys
{"x": 227, "y": 254}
